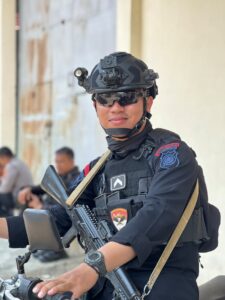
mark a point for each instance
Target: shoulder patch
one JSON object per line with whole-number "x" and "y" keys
{"x": 87, "y": 169}
{"x": 168, "y": 159}
{"x": 168, "y": 155}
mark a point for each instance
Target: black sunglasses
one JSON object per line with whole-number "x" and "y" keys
{"x": 123, "y": 98}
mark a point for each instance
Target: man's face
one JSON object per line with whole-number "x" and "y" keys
{"x": 63, "y": 163}
{"x": 1, "y": 170}
{"x": 117, "y": 116}
{"x": 4, "y": 160}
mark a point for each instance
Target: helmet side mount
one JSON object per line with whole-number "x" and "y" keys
{"x": 82, "y": 76}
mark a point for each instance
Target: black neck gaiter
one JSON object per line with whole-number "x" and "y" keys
{"x": 121, "y": 148}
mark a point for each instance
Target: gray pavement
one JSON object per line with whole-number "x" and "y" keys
{"x": 35, "y": 268}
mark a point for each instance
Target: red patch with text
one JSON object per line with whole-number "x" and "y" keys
{"x": 166, "y": 147}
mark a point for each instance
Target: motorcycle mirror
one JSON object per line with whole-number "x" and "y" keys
{"x": 41, "y": 230}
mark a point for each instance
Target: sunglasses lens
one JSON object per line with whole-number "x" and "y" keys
{"x": 105, "y": 99}
{"x": 128, "y": 98}
{"x": 124, "y": 98}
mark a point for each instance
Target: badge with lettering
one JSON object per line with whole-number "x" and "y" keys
{"x": 118, "y": 182}
{"x": 119, "y": 217}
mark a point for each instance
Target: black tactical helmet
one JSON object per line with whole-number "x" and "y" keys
{"x": 118, "y": 71}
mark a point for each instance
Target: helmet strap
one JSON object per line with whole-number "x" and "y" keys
{"x": 121, "y": 133}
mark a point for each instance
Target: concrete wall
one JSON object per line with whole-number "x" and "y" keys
{"x": 7, "y": 73}
{"x": 55, "y": 38}
{"x": 184, "y": 41}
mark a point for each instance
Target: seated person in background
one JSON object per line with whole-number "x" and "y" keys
{"x": 15, "y": 176}
{"x": 66, "y": 168}
{"x": 35, "y": 197}
{"x": 1, "y": 172}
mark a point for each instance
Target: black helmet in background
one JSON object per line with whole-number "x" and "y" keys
{"x": 119, "y": 71}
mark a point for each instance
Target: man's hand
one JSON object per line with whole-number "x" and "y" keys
{"x": 35, "y": 202}
{"x": 83, "y": 278}
{"x": 24, "y": 195}
{"x": 3, "y": 229}
{"x": 78, "y": 281}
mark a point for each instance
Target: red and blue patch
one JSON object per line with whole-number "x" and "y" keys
{"x": 168, "y": 155}
{"x": 87, "y": 169}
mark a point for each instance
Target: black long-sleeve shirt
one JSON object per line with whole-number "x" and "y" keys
{"x": 173, "y": 173}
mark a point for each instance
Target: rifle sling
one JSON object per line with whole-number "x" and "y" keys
{"x": 84, "y": 183}
{"x": 173, "y": 240}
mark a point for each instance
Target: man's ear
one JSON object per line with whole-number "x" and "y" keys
{"x": 149, "y": 102}
{"x": 94, "y": 105}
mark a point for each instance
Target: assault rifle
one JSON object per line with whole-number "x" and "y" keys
{"x": 19, "y": 286}
{"x": 92, "y": 233}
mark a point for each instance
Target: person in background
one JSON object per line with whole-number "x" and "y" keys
{"x": 1, "y": 172}
{"x": 15, "y": 175}
{"x": 35, "y": 197}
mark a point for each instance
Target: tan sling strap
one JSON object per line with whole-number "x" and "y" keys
{"x": 173, "y": 241}
{"x": 84, "y": 183}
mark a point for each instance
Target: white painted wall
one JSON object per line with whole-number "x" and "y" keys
{"x": 184, "y": 41}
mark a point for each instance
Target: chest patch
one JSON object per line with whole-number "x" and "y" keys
{"x": 119, "y": 217}
{"x": 117, "y": 182}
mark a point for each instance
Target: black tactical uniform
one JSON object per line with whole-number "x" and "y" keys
{"x": 142, "y": 189}
{"x": 146, "y": 185}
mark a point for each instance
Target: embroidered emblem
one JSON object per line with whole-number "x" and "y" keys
{"x": 168, "y": 159}
{"x": 119, "y": 217}
{"x": 166, "y": 147}
{"x": 118, "y": 182}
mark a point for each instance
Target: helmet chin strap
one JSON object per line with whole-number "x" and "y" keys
{"x": 121, "y": 133}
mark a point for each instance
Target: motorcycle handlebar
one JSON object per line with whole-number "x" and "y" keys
{"x": 13, "y": 290}
{"x": 60, "y": 296}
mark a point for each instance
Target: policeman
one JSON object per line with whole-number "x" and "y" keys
{"x": 141, "y": 190}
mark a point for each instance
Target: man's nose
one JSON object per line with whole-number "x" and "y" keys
{"x": 116, "y": 105}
